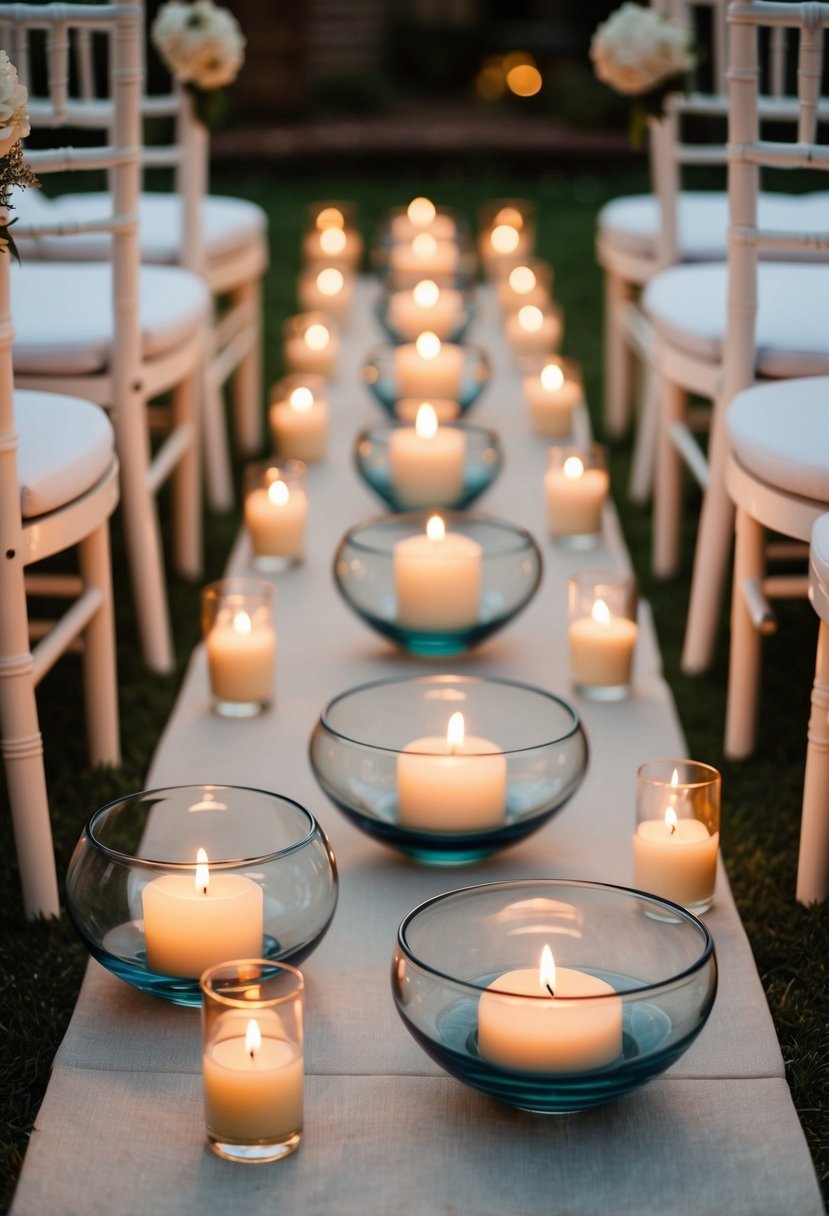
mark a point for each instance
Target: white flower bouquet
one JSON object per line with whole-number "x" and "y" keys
{"x": 14, "y": 126}
{"x": 202, "y": 45}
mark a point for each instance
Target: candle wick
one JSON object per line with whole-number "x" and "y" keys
{"x": 549, "y": 989}
{"x": 204, "y": 890}
{"x": 672, "y": 829}
{"x": 252, "y": 1054}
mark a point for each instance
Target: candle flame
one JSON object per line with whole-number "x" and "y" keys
{"x": 424, "y": 246}
{"x": 435, "y": 528}
{"x": 504, "y": 238}
{"x": 511, "y": 217}
{"x": 278, "y": 494}
{"x": 330, "y": 281}
{"x": 241, "y": 624}
{"x": 426, "y": 293}
{"x": 522, "y": 279}
{"x": 330, "y": 217}
{"x": 552, "y": 377}
{"x": 428, "y": 345}
{"x": 301, "y": 399}
{"x": 317, "y": 336}
{"x": 530, "y": 318}
{"x": 421, "y": 211}
{"x": 332, "y": 240}
{"x": 253, "y": 1038}
{"x": 573, "y": 468}
{"x": 426, "y": 421}
{"x": 601, "y": 613}
{"x": 547, "y": 971}
{"x": 670, "y": 820}
{"x": 455, "y": 732}
{"x": 202, "y": 871}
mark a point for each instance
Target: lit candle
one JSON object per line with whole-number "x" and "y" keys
{"x": 422, "y": 215}
{"x": 275, "y": 518}
{"x": 299, "y": 425}
{"x": 425, "y": 307}
{"x": 456, "y": 784}
{"x": 552, "y": 397}
{"x": 550, "y": 1020}
{"x": 522, "y": 285}
{"x": 253, "y": 1083}
{"x": 601, "y": 648}
{"x": 445, "y": 409}
{"x": 575, "y": 497}
{"x": 437, "y": 579}
{"x": 425, "y": 256}
{"x": 532, "y": 330}
{"x": 193, "y": 921}
{"x": 326, "y": 290}
{"x": 506, "y": 242}
{"x": 240, "y": 659}
{"x": 333, "y": 245}
{"x": 313, "y": 347}
{"x": 426, "y": 461}
{"x": 428, "y": 368}
{"x": 676, "y": 856}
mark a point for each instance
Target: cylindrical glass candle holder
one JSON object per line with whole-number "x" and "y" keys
{"x": 553, "y": 392}
{"x": 237, "y": 622}
{"x": 528, "y": 282}
{"x": 298, "y": 416}
{"x": 575, "y": 486}
{"x": 276, "y": 512}
{"x": 602, "y": 633}
{"x": 327, "y": 289}
{"x": 533, "y": 331}
{"x": 332, "y": 238}
{"x": 677, "y": 831}
{"x": 507, "y": 233}
{"x": 311, "y": 343}
{"x": 252, "y": 1064}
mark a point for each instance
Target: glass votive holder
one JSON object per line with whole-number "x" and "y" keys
{"x": 240, "y": 639}
{"x": 532, "y": 330}
{"x": 528, "y": 282}
{"x": 276, "y": 512}
{"x": 298, "y": 417}
{"x": 602, "y": 633}
{"x": 423, "y": 257}
{"x": 553, "y": 391}
{"x": 327, "y": 289}
{"x": 420, "y": 215}
{"x": 507, "y": 233}
{"x": 311, "y": 343}
{"x": 252, "y": 1062}
{"x": 445, "y": 311}
{"x": 575, "y": 486}
{"x": 332, "y": 237}
{"x": 677, "y": 831}
{"x": 331, "y": 213}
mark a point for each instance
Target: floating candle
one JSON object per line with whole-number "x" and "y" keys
{"x": 426, "y": 461}
{"x": 437, "y": 579}
{"x": 429, "y": 368}
{"x": 452, "y": 784}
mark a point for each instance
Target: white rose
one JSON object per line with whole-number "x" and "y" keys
{"x": 14, "y": 119}
{"x": 201, "y": 44}
{"x": 636, "y": 49}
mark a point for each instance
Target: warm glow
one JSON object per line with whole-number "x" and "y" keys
{"x": 522, "y": 280}
{"x": 504, "y": 238}
{"x": 253, "y": 1038}
{"x": 301, "y": 399}
{"x": 547, "y": 971}
{"x": 670, "y": 820}
{"x": 427, "y": 345}
{"x": 332, "y": 240}
{"x": 317, "y": 337}
{"x": 530, "y": 318}
{"x": 330, "y": 217}
{"x": 330, "y": 281}
{"x": 552, "y": 377}
{"x": 278, "y": 494}
{"x": 426, "y": 293}
{"x": 601, "y": 613}
{"x": 675, "y": 778}
{"x": 524, "y": 80}
{"x": 435, "y": 528}
{"x": 426, "y": 421}
{"x": 424, "y": 246}
{"x": 241, "y": 625}
{"x": 202, "y": 872}
{"x": 455, "y": 732}
{"x": 573, "y": 468}
{"x": 509, "y": 217}
{"x": 421, "y": 211}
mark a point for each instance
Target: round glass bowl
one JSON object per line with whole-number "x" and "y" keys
{"x": 455, "y": 479}
{"x": 406, "y": 328}
{"x": 147, "y": 907}
{"x": 380, "y": 753}
{"x": 380, "y": 375}
{"x": 437, "y": 597}
{"x": 653, "y": 982}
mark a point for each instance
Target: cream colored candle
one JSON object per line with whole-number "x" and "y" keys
{"x": 421, "y": 215}
{"x": 428, "y": 368}
{"x": 452, "y": 784}
{"x": 505, "y": 244}
{"x": 575, "y": 497}
{"x": 275, "y": 519}
{"x": 445, "y": 409}
{"x": 315, "y": 349}
{"x": 326, "y": 289}
{"x": 192, "y": 921}
{"x": 426, "y": 461}
{"x": 253, "y": 1085}
{"x": 334, "y": 246}
{"x": 425, "y": 307}
{"x": 544, "y": 1026}
{"x": 601, "y": 648}
{"x": 532, "y": 331}
{"x": 519, "y": 286}
{"x": 240, "y": 659}
{"x": 425, "y": 256}
{"x": 437, "y": 579}
{"x": 676, "y": 858}
{"x": 552, "y": 398}
{"x": 299, "y": 425}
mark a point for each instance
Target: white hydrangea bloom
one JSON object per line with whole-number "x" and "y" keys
{"x": 637, "y": 49}
{"x": 14, "y": 118}
{"x": 201, "y": 44}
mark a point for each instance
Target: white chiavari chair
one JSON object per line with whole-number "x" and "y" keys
{"x": 813, "y": 862}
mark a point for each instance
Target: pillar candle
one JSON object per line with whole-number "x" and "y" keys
{"x": 299, "y": 425}
{"x": 426, "y": 461}
{"x": 428, "y": 368}
{"x": 421, "y": 215}
{"x": 423, "y": 257}
{"x": 315, "y": 349}
{"x": 240, "y": 659}
{"x": 521, "y": 285}
{"x": 601, "y": 648}
{"x": 425, "y": 307}
{"x": 532, "y": 331}
{"x": 275, "y": 519}
{"x": 341, "y": 247}
{"x": 253, "y": 1084}
{"x": 676, "y": 858}
{"x": 326, "y": 289}
{"x": 575, "y": 497}
{"x": 452, "y": 784}
{"x": 437, "y": 579}
{"x": 552, "y": 397}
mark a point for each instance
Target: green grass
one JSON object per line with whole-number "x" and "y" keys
{"x": 41, "y": 965}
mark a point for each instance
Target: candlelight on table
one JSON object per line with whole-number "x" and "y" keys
{"x": 426, "y": 307}
{"x": 437, "y": 579}
{"x": 422, "y": 215}
{"x": 333, "y": 245}
{"x": 276, "y": 510}
{"x": 429, "y": 368}
{"x": 312, "y": 343}
{"x": 552, "y": 395}
{"x": 446, "y": 409}
{"x": 601, "y": 649}
{"x": 677, "y": 836}
{"x": 533, "y": 330}
{"x": 299, "y": 423}
{"x": 550, "y": 1019}
{"x": 240, "y": 656}
{"x": 425, "y": 256}
{"x": 526, "y": 283}
{"x": 426, "y": 462}
{"x": 452, "y": 784}
{"x": 327, "y": 290}
{"x": 576, "y": 487}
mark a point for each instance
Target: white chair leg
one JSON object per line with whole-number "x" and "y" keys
{"x": 745, "y": 647}
{"x": 644, "y": 448}
{"x": 813, "y": 860}
{"x": 617, "y": 356}
{"x": 218, "y": 474}
{"x": 100, "y": 677}
{"x": 667, "y": 491}
{"x": 186, "y": 481}
{"x": 246, "y": 383}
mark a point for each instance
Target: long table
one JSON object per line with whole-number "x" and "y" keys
{"x": 121, "y": 1129}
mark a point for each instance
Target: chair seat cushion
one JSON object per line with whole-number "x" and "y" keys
{"x": 819, "y": 554}
{"x": 65, "y": 446}
{"x": 63, "y": 314}
{"x": 687, "y": 305}
{"x": 780, "y": 434}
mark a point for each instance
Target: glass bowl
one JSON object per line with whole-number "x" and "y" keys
{"x": 147, "y": 911}
{"x": 524, "y": 755}
{"x": 653, "y": 985}
{"x": 380, "y": 376}
{"x": 442, "y": 597}
{"x": 479, "y": 461}
{"x": 448, "y": 329}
